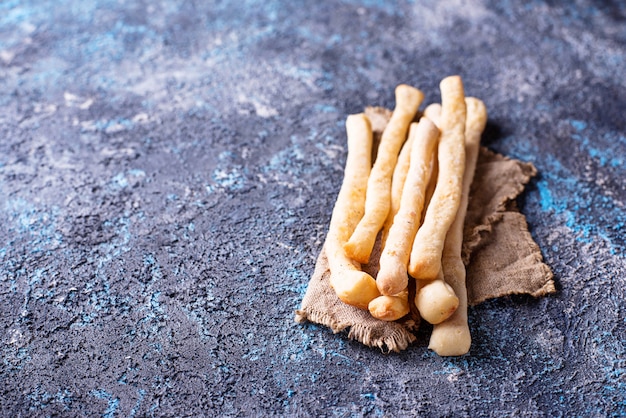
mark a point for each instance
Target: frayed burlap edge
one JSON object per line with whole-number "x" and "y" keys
{"x": 322, "y": 306}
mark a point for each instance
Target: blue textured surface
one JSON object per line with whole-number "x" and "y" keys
{"x": 167, "y": 173}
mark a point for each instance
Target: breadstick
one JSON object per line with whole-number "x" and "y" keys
{"x": 359, "y": 246}
{"x": 452, "y": 337}
{"x": 392, "y": 275}
{"x": 390, "y": 308}
{"x": 432, "y": 183}
{"x": 397, "y": 183}
{"x": 435, "y": 300}
{"x": 351, "y": 285}
{"x": 433, "y": 112}
{"x": 425, "y": 260}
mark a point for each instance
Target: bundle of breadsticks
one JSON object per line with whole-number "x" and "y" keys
{"x": 403, "y": 212}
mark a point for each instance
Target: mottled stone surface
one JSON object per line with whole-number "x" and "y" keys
{"x": 167, "y": 174}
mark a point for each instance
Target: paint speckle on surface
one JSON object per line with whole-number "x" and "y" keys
{"x": 167, "y": 175}
{"x": 112, "y": 403}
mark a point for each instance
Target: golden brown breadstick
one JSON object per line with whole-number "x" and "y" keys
{"x": 452, "y": 337}
{"x": 352, "y": 285}
{"x": 434, "y": 299}
{"x": 397, "y": 183}
{"x": 359, "y": 246}
{"x": 392, "y": 275}
{"x": 425, "y": 260}
{"x": 390, "y": 308}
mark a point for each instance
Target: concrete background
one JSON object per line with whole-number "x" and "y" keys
{"x": 167, "y": 174}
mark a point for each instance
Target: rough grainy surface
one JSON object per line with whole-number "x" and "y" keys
{"x": 167, "y": 174}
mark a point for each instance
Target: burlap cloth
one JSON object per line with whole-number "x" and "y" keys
{"x": 500, "y": 254}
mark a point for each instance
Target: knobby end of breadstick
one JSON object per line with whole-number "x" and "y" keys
{"x": 390, "y": 308}
{"x": 358, "y": 121}
{"x": 452, "y": 83}
{"x": 411, "y": 96}
{"x": 476, "y": 114}
{"x": 392, "y": 278}
{"x": 354, "y": 287}
{"x": 359, "y": 249}
{"x": 426, "y": 128}
{"x": 451, "y": 339}
{"x": 433, "y": 113}
{"x": 436, "y": 301}
{"x": 424, "y": 263}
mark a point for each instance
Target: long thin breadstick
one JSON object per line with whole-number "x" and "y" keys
{"x": 351, "y": 285}
{"x": 360, "y": 245}
{"x": 392, "y": 275}
{"x": 397, "y": 184}
{"x": 435, "y": 300}
{"x": 425, "y": 260}
{"x": 391, "y": 308}
{"x": 432, "y": 112}
{"x": 452, "y": 337}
